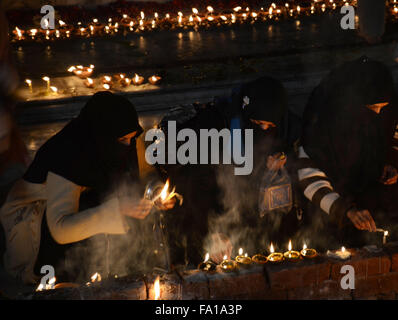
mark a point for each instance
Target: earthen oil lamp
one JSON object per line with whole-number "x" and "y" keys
{"x": 89, "y": 83}
{"x": 106, "y": 86}
{"x": 106, "y": 80}
{"x": 125, "y": 82}
{"x": 83, "y": 72}
{"x": 207, "y": 265}
{"x": 243, "y": 260}
{"x": 138, "y": 80}
{"x": 228, "y": 265}
{"x": 275, "y": 257}
{"x": 341, "y": 254}
{"x": 154, "y": 80}
{"x": 259, "y": 259}
{"x": 308, "y": 253}
{"x": 385, "y": 234}
{"x": 18, "y": 33}
{"x": 291, "y": 255}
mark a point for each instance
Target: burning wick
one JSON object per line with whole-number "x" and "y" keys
{"x": 106, "y": 86}
{"x": 274, "y": 257}
{"x": 156, "y": 287}
{"x": 227, "y": 265}
{"x": 207, "y": 265}
{"x": 54, "y": 90}
{"x": 308, "y": 253}
{"x": 138, "y": 80}
{"x": 341, "y": 254}
{"x": 243, "y": 260}
{"x": 291, "y": 255}
{"x": 385, "y": 234}
{"x": 96, "y": 277}
{"x": 154, "y": 79}
{"x": 29, "y": 83}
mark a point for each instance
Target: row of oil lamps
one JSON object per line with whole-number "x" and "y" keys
{"x": 241, "y": 260}
{"x": 106, "y": 81}
{"x": 142, "y": 23}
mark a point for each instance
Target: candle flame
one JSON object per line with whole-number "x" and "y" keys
{"x": 136, "y": 78}
{"x": 195, "y": 11}
{"x": 40, "y": 287}
{"x": 210, "y": 18}
{"x": 210, "y": 9}
{"x": 157, "y": 288}
{"x": 46, "y": 79}
{"x": 106, "y": 86}
{"x": 290, "y": 245}
{"x": 271, "y": 248}
{"x": 164, "y": 192}
{"x": 142, "y": 15}
{"x": 107, "y": 78}
{"x": 28, "y": 81}
{"x": 207, "y": 257}
{"x": 54, "y": 89}
{"x": 386, "y": 233}
{"x": 90, "y": 81}
{"x": 225, "y": 257}
{"x": 304, "y": 246}
{"x": 52, "y": 281}
{"x": 246, "y": 254}
{"x": 224, "y": 18}
{"x": 96, "y": 277}
{"x": 237, "y": 9}
{"x": 61, "y": 23}
{"x": 342, "y": 249}
{"x": 240, "y": 251}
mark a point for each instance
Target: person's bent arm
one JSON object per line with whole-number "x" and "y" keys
{"x": 67, "y": 224}
{"x": 319, "y": 190}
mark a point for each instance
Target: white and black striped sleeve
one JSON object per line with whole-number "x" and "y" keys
{"x": 318, "y": 188}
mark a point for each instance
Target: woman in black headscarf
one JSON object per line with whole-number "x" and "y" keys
{"x": 73, "y": 179}
{"x": 347, "y": 156}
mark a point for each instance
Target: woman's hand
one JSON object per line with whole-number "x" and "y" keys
{"x": 275, "y": 162}
{"x": 390, "y": 175}
{"x": 165, "y": 205}
{"x": 362, "y": 219}
{"x": 133, "y": 209}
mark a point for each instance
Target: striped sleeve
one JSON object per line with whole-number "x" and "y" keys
{"x": 318, "y": 188}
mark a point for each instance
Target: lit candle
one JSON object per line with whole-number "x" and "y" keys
{"x": 29, "y": 83}
{"x": 47, "y": 80}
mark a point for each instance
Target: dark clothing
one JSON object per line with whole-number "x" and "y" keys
{"x": 215, "y": 200}
{"x": 346, "y": 145}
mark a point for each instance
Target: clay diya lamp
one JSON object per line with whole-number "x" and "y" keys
{"x": 308, "y": 253}
{"x": 137, "y": 80}
{"x": 207, "y": 265}
{"x": 275, "y": 257}
{"x": 243, "y": 260}
{"x": 154, "y": 80}
{"x": 291, "y": 255}
{"x": 259, "y": 259}
{"x": 228, "y": 265}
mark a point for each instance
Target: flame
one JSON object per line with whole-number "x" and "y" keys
{"x": 40, "y": 287}
{"x": 80, "y": 67}
{"x": 270, "y": 11}
{"x": 290, "y": 245}
{"x": 225, "y": 257}
{"x": 224, "y": 18}
{"x": 164, "y": 192}
{"x": 190, "y": 19}
{"x": 342, "y": 249}
{"x": 61, "y": 23}
{"x": 210, "y": 18}
{"x": 142, "y": 15}
{"x": 304, "y": 246}
{"x": 156, "y": 15}
{"x": 240, "y": 251}
{"x": 33, "y": 31}
{"x": 237, "y": 9}
{"x": 54, "y": 89}
{"x": 28, "y": 81}
{"x": 96, "y": 277}
{"x": 46, "y": 79}
{"x": 385, "y": 233}
{"x": 195, "y": 11}
{"x": 207, "y": 257}
{"x": 90, "y": 81}
{"x": 107, "y": 78}
{"x": 71, "y": 69}
{"x": 271, "y": 248}
{"x": 106, "y": 86}
{"x": 246, "y": 254}
{"x": 52, "y": 281}
{"x": 210, "y": 9}
{"x": 157, "y": 288}
{"x": 254, "y": 14}
{"x": 154, "y": 79}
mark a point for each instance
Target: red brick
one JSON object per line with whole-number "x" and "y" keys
{"x": 365, "y": 265}
{"x": 245, "y": 284}
{"x": 394, "y": 264}
{"x": 328, "y": 289}
{"x": 386, "y": 284}
{"x": 301, "y": 274}
{"x": 194, "y": 285}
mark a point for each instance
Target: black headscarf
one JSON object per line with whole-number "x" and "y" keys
{"x": 86, "y": 151}
{"x": 346, "y": 139}
{"x": 263, "y": 99}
